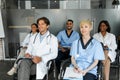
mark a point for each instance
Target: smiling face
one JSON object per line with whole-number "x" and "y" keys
{"x": 42, "y": 26}
{"x": 69, "y": 25}
{"x": 103, "y": 27}
{"x": 34, "y": 28}
{"x": 85, "y": 27}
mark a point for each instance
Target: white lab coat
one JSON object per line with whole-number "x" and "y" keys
{"x": 47, "y": 49}
{"x": 109, "y": 40}
{"x": 27, "y": 39}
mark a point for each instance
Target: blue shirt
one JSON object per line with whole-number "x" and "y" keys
{"x": 85, "y": 56}
{"x": 65, "y": 40}
{"x": 42, "y": 36}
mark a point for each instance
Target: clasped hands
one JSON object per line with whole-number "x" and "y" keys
{"x": 78, "y": 70}
{"x": 35, "y": 59}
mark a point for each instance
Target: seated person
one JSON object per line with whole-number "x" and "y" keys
{"x": 28, "y": 38}
{"x": 39, "y": 52}
{"x": 86, "y": 52}
{"x": 109, "y": 42}
{"x": 65, "y": 39}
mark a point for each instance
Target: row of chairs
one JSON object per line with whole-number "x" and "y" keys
{"x": 52, "y": 72}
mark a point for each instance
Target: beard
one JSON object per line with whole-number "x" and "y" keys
{"x": 69, "y": 28}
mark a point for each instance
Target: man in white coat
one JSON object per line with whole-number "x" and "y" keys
{"x": 39, "y": 52}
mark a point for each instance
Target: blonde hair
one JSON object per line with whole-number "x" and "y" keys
{"x": 86, "y": 22}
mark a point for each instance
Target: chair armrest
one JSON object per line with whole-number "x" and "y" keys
{"x": 63, "y": 66}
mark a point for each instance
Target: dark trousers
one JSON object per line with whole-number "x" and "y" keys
{"x": 89, "y": 76}
{"x": 61, "y": 56}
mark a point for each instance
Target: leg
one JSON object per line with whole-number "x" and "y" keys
{"x": 106, "y": 64}
{"x": 24, "y": 69}
{"x": 13, "y": 69}
{"x": 21, "y": 55}
{"x": 89, "y": 76}
{"x": 106, "y": 69}
{"x": 61, "y": 56}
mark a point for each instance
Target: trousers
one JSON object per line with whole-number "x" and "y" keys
{"x": 25, "y": 69}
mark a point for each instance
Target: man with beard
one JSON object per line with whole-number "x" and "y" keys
{"x": 65, "y": 39}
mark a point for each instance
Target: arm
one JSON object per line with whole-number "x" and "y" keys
{"x": 29, "y": 50}
{"x": 61, "y": 48}
{"x": 25, "y": 41}
{"x": 113, "y": 44}
{"x": 74, "y": 62}
{"x": 76, "y": 68}
{"x": 90, "y": 67}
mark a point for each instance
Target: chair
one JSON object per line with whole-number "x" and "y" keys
{"x": 67, "y": 62}
{"x": 51, "y": 69}
{"x": 116, "y": 65}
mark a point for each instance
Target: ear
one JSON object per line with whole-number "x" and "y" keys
{"x": 48, "y": 26}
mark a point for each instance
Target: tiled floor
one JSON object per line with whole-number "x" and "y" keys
{"x": 6, "y": 65}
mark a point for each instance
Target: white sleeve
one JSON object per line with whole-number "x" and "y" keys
{"x": 29, "y": 48}
{"x": 26, "y": 41}
{"x": 113, "y": 45}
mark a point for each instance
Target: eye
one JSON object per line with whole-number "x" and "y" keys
{"x": 86, "y": 26}
{"x": 81, "y": 27}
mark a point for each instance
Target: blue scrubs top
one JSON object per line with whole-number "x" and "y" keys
{"x": 85, "y": 55}
{"x": 65, "y": 40}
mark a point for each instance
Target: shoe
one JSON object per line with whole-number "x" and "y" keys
{"x": 12, "y": 71}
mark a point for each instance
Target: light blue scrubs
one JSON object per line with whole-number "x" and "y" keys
{"x": 85, "y": 57}
{"x": 65, "y": 40}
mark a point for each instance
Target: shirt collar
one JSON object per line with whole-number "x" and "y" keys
{"x": 47, "y": 33}
{"x": 102, "y": 35}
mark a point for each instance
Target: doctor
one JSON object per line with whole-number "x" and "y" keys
{"x": 39, "y": 52}
{"x": 28, "y": 38}
{"x": 109, "y": 41}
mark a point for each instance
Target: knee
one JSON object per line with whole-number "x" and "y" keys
{"x": 24, "y": 62}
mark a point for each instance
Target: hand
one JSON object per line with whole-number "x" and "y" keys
{"x": 27, "y": 55}
{"x": 77, "y": 70}
{"x": 84, "y": 72}
{"x": 36, "y": 59}
{"x": 62, "y": 49}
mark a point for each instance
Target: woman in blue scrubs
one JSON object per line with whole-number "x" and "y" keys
{"x": 86, "y": 52}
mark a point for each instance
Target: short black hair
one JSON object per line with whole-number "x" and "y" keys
{"x": 45, "y": 19}
{"x": 69, "y": 20}
{"x": 106, "y": 23}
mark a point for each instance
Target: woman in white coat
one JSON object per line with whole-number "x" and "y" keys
{"x": 109, "y": 43}
{"x": 39, "y": 52}
{"x": 28, "y": 38}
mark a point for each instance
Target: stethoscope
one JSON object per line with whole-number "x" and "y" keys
{"x": 48, "y": 38}
{"x": 78, "y": 43}
{"x": 77, "y": 55}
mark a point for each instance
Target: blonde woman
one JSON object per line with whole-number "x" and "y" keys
{"x": 86, "y": 52}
